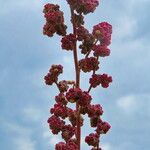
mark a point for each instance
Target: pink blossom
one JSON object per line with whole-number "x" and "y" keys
{"x": 102, "y": 32}
{"x": 101, "y": 51}
{"x": 92, "y": 139}
{"x": 68, "y": 42}
{"x": 89, "y": 64}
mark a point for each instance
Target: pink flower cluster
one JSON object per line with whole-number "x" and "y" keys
{"x": 55, "y": 124}
{"x": 98, "y": 79}
{"x": 68, "y": 42}
{"x": 63, "y": 86}
{"x": 77, "y": 95}
{"x": 84, "y": 6}
{"x": 101, "y": 51}
{"x": 103, "y": 127}
{"x": 102, "y": 32}
{"x": 53, "y": 74}
{"x": 61, "y": 99}
{"x": 70, "y": 145}
{"x": 92, "y": 45}
{"x": 92, "y": 139}
{"x": 54, "y": 21}
{"x": 89, "y": 64}
{"x": 82, "y": 33}
{"x": 87, "y": 45}
{"x": 60, "y": 110}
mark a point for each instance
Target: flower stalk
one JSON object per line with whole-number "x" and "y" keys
{"x": 77, "y": 71}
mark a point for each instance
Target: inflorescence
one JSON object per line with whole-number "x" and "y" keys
{"x": 93, "y": 46}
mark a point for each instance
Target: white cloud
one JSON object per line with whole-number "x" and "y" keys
{"x": 46, "y": 134}
{"x": 127, "y": 104}
{"x": 107, "y": 146}
{"x": 68, "y": 60}
{"x": 13, "y": 5}
{"x": 22, "y": 143}
{"x": 134, "y": 104}
{"x": 21, "y": 136}
{"x": 3, "y": 76}
{"x": 138, "y": 1}
{"x": 125, "y": 27}
{"x": 32, "y": 113}
{"x": 68, "y": 67}
{"x": 17, "y": 129}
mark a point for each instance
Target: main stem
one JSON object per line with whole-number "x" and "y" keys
{"x": 77, "y": 70}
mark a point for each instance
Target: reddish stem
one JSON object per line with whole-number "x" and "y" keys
{"x": 92, "y": 74}
{"x": 57, "y": 85}
{"x": 90, "y": 50}
{"x": 89, "y": 89}
{"x": 77, "y": 70}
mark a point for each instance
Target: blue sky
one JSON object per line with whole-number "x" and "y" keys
{"x": 26, "y": 55}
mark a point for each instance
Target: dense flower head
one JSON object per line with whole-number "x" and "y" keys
{"x": 59, "y": 110}
{"x": 50, "y": 79}
{"x": 84, "y": 109}
{"x": 68, "y": 42}
{"x": 71, "y": 145}
{"x": 56, "y": 69}
{"x": 49, "y": 30}
{"x": 102, "y": 32}
{"x": 94, "y": 121}
{"x": 73, "y": 94}
{"x": 103, "y": 127}
{"x": 98, "y": 79}
{"x": 95, "y": 110}
{"x": 105, "y": 80}
{"x": 53, "y": 74}
{"x": 61, "y": 29}
{"x": 55, "y": 17}
{"x": 77, "y": 95}
{"x": 95, "y": 80}
{"x": 87, "y": 43}
{"x": 60, "y": 146}
{"x": 73, "y": 3}
{"x": 63, "y": 86}
{"x": 92, "y": 139}
{"x": 84, "y": 6}
{"x": 60, "y": 98}
{"x": 82, "y": 33}
{"x": 50, "y": 8}
{"x": 85, "y": 99}
{"x": 54, "y": 20}
{"x": 101, "y": 50}
{"x": 89, "y": 64}
{"x": 88, "y": 6}
{"x": 55, "y": 124}
{"x": 67, "y": 132}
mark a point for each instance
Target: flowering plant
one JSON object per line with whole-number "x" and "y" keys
{"x": 92, "y": 46}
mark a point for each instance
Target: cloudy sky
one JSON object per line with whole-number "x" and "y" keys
{"x": 26, "y": 55}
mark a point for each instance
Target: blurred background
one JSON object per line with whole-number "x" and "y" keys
{"x": 26, "y": 55}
